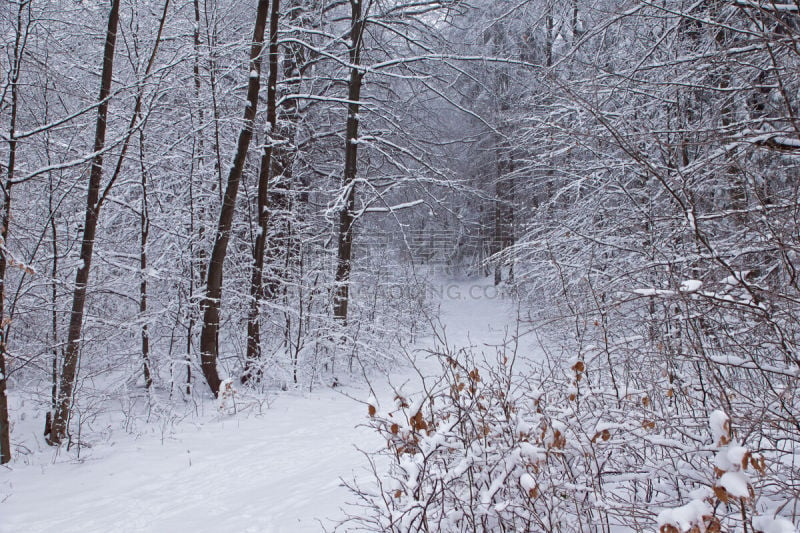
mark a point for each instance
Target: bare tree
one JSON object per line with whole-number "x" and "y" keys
{"x": 209, "y": 336}
{"x": 68, "y": 373}
{"x": 256, "y": 282}
{"x": 348, "y": 199}
{"x": 22, "y": 26}
{"x": 94, "y": 201}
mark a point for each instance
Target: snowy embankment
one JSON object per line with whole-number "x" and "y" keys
{"x": 279, "y": 471}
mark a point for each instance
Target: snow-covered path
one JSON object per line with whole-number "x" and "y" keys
{"x": 277, "y": 472}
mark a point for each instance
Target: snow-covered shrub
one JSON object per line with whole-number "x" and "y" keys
{"x": 469, "y": 454}
{"x": 488, "y": 447}
{"x": 566, "y": 446}
{"x": 731, "y": 503}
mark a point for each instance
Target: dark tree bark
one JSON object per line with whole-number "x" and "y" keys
{"x": 144, "y": 223}
{"x": 52, "y": 224}
{"x": 68, "y": 373}
{"x": 94, "y": 201}
{"x": 53, "y": 313}
{"x": 346, "y": 215}
{"x": 209, "y": 336}
{"x": 256, "y": 283}
{"x": 287, "y": 197}
{"x": 504, "y": 212}
{"x": 5, "y": 430}
{"x": 20, "y": 39}
{"x": 198, "y": 255}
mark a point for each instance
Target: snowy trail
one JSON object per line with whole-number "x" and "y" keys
{"x": 278, "y": 472}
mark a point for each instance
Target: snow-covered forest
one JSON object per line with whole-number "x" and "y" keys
{"x": 388, "y": 265}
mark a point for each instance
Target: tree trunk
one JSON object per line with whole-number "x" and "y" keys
{"x": 5, "y": 426}
{"x": 54, "y": 301}
{"x": 68, "y": 373}
{"x": 144, "y": 222}
{"x": 345, "y": 241}
{"x": 281, "y": 245}
{"x": 197, "y": 253}
{"x": 253, "y": 355}
{"x": 209, "y": 336}
{"x": 5, "y": 429}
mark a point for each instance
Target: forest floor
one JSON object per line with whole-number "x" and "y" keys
{"x": 278, "y": 471}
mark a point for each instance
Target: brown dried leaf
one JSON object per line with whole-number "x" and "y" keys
{"x": 712, "y": 524}
{"x": 746, "y": 460}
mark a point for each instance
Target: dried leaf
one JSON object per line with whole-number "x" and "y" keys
{"x": 712, "y": 524}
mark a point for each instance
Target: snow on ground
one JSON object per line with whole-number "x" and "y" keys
{"x": 278, "y": 471}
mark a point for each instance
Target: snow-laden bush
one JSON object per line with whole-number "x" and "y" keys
{"x": 495, "y": 446}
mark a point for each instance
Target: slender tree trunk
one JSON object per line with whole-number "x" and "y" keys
{"x": 198, "y": 256}
{"x": 504, "y": 212}
{"x": 53, "y": 321}
{"x": 144, "y": 223}
{"x": 548, "y": 38}
{"x": 281, "y": 197}
{"x": 209, "y": 336}
{"x": 51, "y": 212}
{"x": 68, "y": 372}
{"x": 211, "y": 42}
{"x": 345, "y": 241}
{"x": 574, "y": 23}
{"x": 5, "y": 429}
{"x": 256, "y": 282}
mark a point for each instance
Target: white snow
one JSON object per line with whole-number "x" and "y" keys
{"x": 767, "y": 524}
{"x": 654, "y": 292}
{"x": 277, "y": 471}
{"x": 730, "y": 457}
{"x": 735, "y": 483}
{"x": 527, "y": 482}
{"x": 274, "y": 472}
{"x": 720, "y": 426}
{"x": 686, "y": 516}
{"x": 691, "y": 285}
